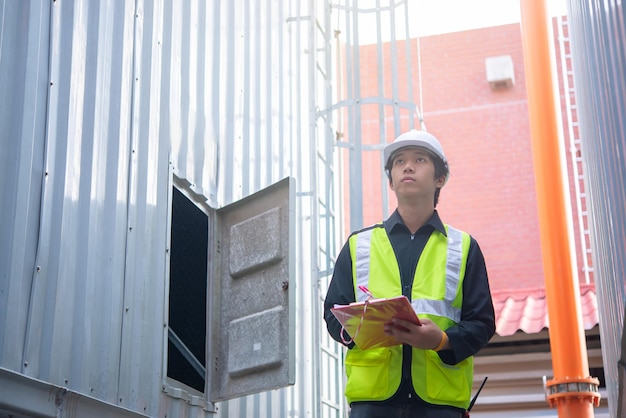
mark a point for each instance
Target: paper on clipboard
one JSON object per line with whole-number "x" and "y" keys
{"x": 365, "y": 321}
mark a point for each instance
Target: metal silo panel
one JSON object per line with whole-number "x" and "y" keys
{"x": 24, "y": 29}
{"x": 145, "y": 300}
{"x": 190, "y": 89}
{"x": 264, "y": 136}
{"x": 89, "y": 303}
{"x": 599, "y": 60}
{"x": 100, "y": 184}
{"x": 108, "y": 99}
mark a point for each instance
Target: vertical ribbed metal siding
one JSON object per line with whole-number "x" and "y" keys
{"x": 265, "y": 49}
{"x": 190, "y": 90}
{"x": 23, "y": 86}
{"x": 97, "y": 306}
{"x": 108, "y": 99}
{"x": 598, "y": 30}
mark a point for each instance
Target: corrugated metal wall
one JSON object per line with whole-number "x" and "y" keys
{"x": 598, "y": 30}
{"x": 108, "y": 100}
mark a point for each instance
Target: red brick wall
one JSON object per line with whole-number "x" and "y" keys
{"x": 486, "y": 137}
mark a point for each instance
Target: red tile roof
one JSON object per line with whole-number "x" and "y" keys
{"x": 526, "y": 309}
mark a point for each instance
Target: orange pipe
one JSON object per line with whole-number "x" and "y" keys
{"x": 572, "y": 390}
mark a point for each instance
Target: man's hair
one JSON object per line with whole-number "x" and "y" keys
{"x": 440, "y": 170}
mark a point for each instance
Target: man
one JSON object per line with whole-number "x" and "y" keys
{"x": 440, "y": 269}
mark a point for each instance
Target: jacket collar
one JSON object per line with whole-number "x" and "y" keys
{"x": 395, "y": 219}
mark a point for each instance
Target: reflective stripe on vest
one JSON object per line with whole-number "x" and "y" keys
{"x": 454, "y": 256}
{"x": 363, "y": 244}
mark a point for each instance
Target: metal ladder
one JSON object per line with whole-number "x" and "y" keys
{"x": 575, "y": 149}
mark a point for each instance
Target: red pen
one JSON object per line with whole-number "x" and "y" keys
{"x": 366, "y": 291}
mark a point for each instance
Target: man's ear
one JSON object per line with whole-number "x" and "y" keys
{"x": 389, "y": 178}
{"x": 441, "y": 181}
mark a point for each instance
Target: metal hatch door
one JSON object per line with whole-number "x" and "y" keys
{"x": 253, "y": 289}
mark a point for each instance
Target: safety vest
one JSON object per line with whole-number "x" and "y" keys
{"x": 375, "y": 374}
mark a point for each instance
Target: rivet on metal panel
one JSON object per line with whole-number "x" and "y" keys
{"x": 126, "y": 309}
{"x": 38, "y": 268}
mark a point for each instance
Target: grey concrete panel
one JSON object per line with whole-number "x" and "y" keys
{"x": 251, "y": 246}
{"x": 252, "y": 349}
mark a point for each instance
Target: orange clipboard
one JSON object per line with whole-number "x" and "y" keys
{"x": 365, "y": 321}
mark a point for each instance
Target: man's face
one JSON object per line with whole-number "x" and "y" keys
{"x": 413, "y": 173}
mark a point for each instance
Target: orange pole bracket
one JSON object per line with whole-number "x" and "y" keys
{"x": 560, "y": 391}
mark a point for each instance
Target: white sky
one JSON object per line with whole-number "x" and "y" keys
{"x": 442, "y": 16}
{"x": 430, "y": 17}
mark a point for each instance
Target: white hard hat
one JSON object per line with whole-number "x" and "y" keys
{"x": 415, "y": 138}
